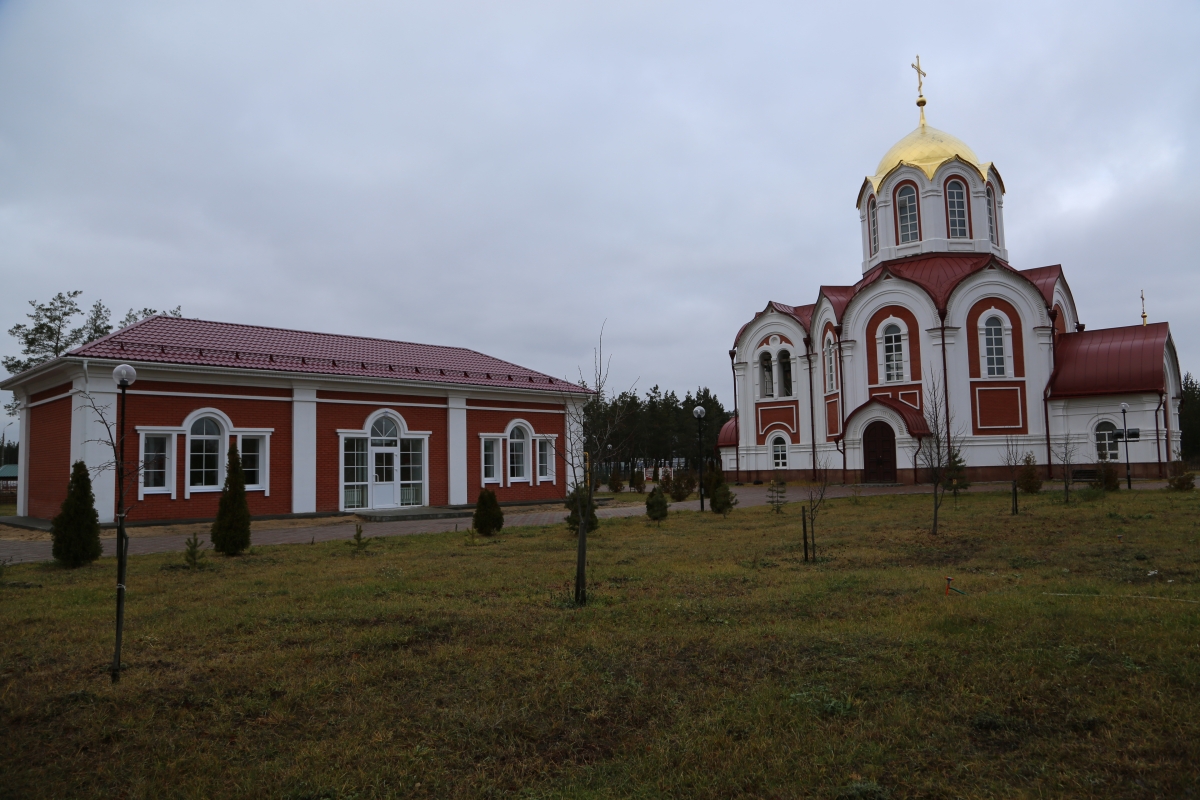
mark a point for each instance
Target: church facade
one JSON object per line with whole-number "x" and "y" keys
{"x": 324, "y": 423}
{"x": 943, "y": 333}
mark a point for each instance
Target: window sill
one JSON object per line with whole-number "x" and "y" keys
{"x": 203, "y": 489}
{"x": 156, "y": 490}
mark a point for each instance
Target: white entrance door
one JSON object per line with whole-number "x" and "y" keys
{"x": 383, "y": 488}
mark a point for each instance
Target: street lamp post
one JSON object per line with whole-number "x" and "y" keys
{"x": 698, "y": 413}
{"x": 124, "y": 375}
{"x": 1125, "y": 436}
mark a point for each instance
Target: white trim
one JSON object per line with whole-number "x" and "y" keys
{"x": 286, "y": 398}
{"x": 881, "y": 356}
{"x": 1020, "y": 407}
{"x": 497, "y": 460}
{"x": 170, "y": 477}
{"x": 508, "y": 440}
{"x": 264, "y": 458}
{"x": 365, "y": 433}
{"x": 50, "y": 399}
{"x": 381, "y": 403}
{"x": 791, "y": 406}
{"x": 519, "y": 410}
{"x": 1010, "y": 367}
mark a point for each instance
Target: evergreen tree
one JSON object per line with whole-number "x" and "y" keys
{"x": 1189, "y": 419}
{"x": 231, "y": 528}
{"x": 637, "y": 479}
{"x": 488, "y": 518}
{"x": 615, "y": 484}
{"x": 683, "y": 483}
{"x": 656, "y": 505}
{"x": 777, "y": 493}
{"x": 1028, "y": 479}
{"x": 579, "y": 497}
{"x": 956, "y": 474}
{"x": 723, "y": 499}
{"x": 76, "y": 529}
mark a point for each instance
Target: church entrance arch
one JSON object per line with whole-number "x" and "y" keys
{"x": 879, "y": 453}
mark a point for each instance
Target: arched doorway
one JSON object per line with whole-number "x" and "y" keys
{"x": 879, "y": 453}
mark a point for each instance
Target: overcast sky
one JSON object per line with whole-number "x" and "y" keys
{"x": 507, "y": 176}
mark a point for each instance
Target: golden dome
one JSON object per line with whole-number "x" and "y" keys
{"x": 926, "y": 148}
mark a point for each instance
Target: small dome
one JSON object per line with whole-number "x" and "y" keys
{"x": 927, "y": 149}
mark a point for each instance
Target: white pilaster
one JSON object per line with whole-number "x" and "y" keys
{"x": 456, "y": 443}
{"x": 23, "y": 457}
{"x": 90, "y": 441}
{"x": 304, "y": 449}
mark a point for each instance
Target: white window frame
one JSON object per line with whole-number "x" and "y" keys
{"x": 1095, "y": 438}
{"x": 991, "y": 212}
{"x": 551, "y": 476}
{"x": 950, "y": 210}
{"x": 497, "y": 460}
{"x": 264, "y": 459}
{"x": 175, "y": 458}
{"x": 873, "y": 225}
{"x": 981, "y": 333}
{"x": 831, "y": 372}
{"x": 172, "y": 435}
{"x": 779, "y": 443}
{"x": 530, "y": 468}
{"x": 766, "y": 371}
{"x": 916, "y": 205}
{"x": 778, "y": 361}
{"x": 365, "y": 433}
{"x": 366, "y": 439}
{"x": 881, "y": 355}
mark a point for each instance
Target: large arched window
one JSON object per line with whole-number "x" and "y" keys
{"x": 993, "y": 343}
{"x": 908, "y": 222}
{"x": 873, "y": 224}
{"x": 991, "y": 208}
{"x": 830, "y": 365}
{"x": 779, "y": 452}
{"x": 384, "y": 432}
{"x": 893, "y": 354}
{"x": 785, "y": 373}
{"x": 768, "y": 375}
{"x": 516, "y": 455}
{"x": 204, "y": 467}
{"x": 956, "y": 209}
{"x": 1106, "y": 442}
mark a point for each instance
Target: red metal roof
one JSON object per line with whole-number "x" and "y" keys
{"x": 802, "y": 314}
{"x": 1044, "y": 278}
{"x": 728, "y": 437}
{"x": 914, "y": 420}
{"x": 171, "y": 340}
{"x": 839, "y": 297}
{"x": 1111, "y": 361}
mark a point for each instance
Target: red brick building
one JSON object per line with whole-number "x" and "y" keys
{"x": 323, "y": 422}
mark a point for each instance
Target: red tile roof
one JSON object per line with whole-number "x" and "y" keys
{"x": 1111, "y": 361}
{"x": 171, "y": 340}
{"x": 728, "y": 437}
{"x": 914, "y": 420}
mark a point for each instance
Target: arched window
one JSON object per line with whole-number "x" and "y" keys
{"x": 779, "y": 452}
{"x": 516, "y": 454}
{"x": 993, "y": 343}
{"x": 893, "y": 354}
{"x": 873, "y": 223}
{"x": 204, "y": 468}
{"x": 991, "y": 204}
{"x": 956, "y": 209}
{"x": 768, "y": 375}
{"x": 384, "y": 432}
{"x": 785, "y": 373}
{"x": 906, "y": 215}
{"x": 830, "y": 366}
{"x": 1106, "y": 442}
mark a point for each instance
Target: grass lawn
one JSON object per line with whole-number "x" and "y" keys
{"x": 8, "y": 509}
{"x": 711, "y": 662}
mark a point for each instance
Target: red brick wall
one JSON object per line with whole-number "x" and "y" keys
{"x": 495, "y": 422}
{"x": 49, "y": 453}
{"x": 171, "y": 411}
{"x": 334, "y": 416}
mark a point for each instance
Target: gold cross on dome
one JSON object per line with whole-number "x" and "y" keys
{"x": 920, "y": 75}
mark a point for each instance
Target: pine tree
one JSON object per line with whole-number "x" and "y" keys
{"x": 488, "y": 518}
{"x": 956, "y": 474}
{"x": 682, "y": 485}
{"x": 76, "y": 529}
{"x": 615, "y": 484}
{"x": 577, "y": 498}
{"x": 637, "y": 479}
{"x": 723, "y": 499}
{"x": 656, "y": 505}
{"x": 231, "y": 528}
{"x": 1028, "y": 479}
{"x": 777, "y": 493}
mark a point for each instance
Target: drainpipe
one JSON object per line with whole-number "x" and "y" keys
{"x": 737, "y": 449}
{"x": 841, "y": 440}
{"x": 812, "y": 419}
{"x": 1046, "y": 396}
{"x": 1162, "y": 399}
{"x": 945, "y": 386}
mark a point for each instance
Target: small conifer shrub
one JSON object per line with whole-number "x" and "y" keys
{"x": 1107, "y": 477}
{"x": 76, "y": 529}
{"x": 956, "y": 474}
{"x": 1180, "y": 479}
{"x": 579, "y": 498}
{"x": 1028, "y": 479}
{"x": 637, "y": 480}
{"x": 656, "y": 505}
{"x": 682, "y": 485}
{"x": 615, "y": 484}
{"x": 664, "y": 482}
{"x": 231, "y": 528}
{"x": 488, "y": 518}
{"x": 723, "y": 499}
{"x": 777, "y": 493}
{"x": 192, "y": 552}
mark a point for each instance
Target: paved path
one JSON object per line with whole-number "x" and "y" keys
{"x": 20, "y": 552}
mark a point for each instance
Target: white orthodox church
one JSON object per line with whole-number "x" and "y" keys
{"x": 941, "y": 323}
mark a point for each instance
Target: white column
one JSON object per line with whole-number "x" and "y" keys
{"x": 89, "y": 441}
{"x": 456, "y": 454}
{"x": 23, "y": 458}
{"x": 304, "y": 449}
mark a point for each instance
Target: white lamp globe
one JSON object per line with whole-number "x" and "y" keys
{"x": 124, "y": 375}
{"x": 698, "y": 412}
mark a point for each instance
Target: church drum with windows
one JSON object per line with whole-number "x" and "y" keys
{"x": 845, "y": 382}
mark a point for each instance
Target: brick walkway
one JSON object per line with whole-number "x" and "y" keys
{"x": 21, "y": 552}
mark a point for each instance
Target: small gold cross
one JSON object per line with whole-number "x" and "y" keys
{"x": 920, "y": 75}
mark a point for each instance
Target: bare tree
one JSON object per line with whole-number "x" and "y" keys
{"x": 814, "y": 491}
{"x": 940, "y": 446}
{"x": 1066, "y": 451}
{"x": 1013, "y": 459}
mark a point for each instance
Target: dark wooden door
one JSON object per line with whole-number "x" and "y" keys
{"x": 879, "y": 453}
